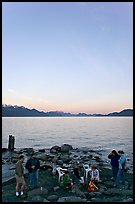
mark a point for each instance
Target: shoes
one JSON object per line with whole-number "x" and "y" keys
{"x": 17, "y": 194}
{"x": 21, "y": 193}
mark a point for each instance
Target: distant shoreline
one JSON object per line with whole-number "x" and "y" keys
{"x": 21, "y": 111}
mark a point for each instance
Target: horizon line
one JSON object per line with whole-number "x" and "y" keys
{"x": 67, "y": 112}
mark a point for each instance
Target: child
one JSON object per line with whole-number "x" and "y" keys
{"x": 67, "y": 181}
{"x": 122, "y": 167}
{"x": 94, "y": 173}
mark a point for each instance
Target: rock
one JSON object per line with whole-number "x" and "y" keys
{"x": 93, "y": 199}
{"x": 128, "y": 200}
{"x": 46, "y": 165}
{"x": 108, "y": 183}
{"x": 65, "y": 158}
{"x": 71, "y": 199}
{"x": 52, "y": 198}
{"x": 18, "y": 151}
{"x": 56, "y": 188}
{"x": 90, "y": 156}
{"x": 3, "y": 162}
{"x": 56, "y": 148}
{"x": 59, "y": 162}
{"x": 127, "y": 192}
{"x": 38, "y": 191}
{"x": 36, "y": 198}
{"x": 53, "y": 151}
{"x": 45, "y": 200}
{"x": 54, "y": 160}
{"x": 98, "y": 194}
{"x": 92, "y": 194}
{"x": 42, "y": 157}
{"x": 78, "y": 191}
{"x": 41, "y": 150}
{"x": 25, "y": 195}
{"x": 111, "y": 192}
{"x": 66, "y": 148}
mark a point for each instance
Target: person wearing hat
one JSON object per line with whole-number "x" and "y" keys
{"x": 122, "y": 167}
{"x": 32, "y": 165}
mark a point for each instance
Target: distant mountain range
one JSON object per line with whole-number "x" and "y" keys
{"x": 21, "y": 111}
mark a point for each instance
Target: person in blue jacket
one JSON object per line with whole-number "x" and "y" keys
{"x": 122, "y": 168}
{"x": 114, "y": 156}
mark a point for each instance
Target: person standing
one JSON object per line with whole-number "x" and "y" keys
{"x": 19, "y": 175}
{"x": 33, "y": 165}
{"x": 114, "y": 156}
{"x": 122, "y": 167}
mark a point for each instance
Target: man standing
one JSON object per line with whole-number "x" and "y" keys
{"x": 33, "y": 165}
{"x": 19, "y": 174}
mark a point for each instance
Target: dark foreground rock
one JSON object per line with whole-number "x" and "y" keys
{"x": 50, "y": 190}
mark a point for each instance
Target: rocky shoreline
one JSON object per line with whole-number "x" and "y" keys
{"x": 50, "y": 190}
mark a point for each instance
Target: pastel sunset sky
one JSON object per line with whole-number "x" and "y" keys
{"x": 71, "y": 57}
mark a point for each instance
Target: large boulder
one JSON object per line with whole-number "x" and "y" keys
{"x": 42, "y": 157}
{"x": 38, "y": 192}
{"x": 55, "y": 149}
{"x": 52, "y": 198}
{"x": 66, "y": 148}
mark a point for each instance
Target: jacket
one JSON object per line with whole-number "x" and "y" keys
{"x": 32, "y": 162}
{"x": 122, "y": 162}
{"x": 114, "y": 160}
{"x": 19, "y": 170}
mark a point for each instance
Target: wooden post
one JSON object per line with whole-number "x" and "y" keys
{"x": 11, "y": 142}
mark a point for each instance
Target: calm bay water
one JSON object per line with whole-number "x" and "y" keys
{"x": 102, "y": 133}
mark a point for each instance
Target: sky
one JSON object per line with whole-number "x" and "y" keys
{"x": 71, "y": 57}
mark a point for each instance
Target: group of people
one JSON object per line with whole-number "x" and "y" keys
{"x": 32, "y": 165}
{"x": 93, "y": 175}
{"x": 118, "y": 163}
